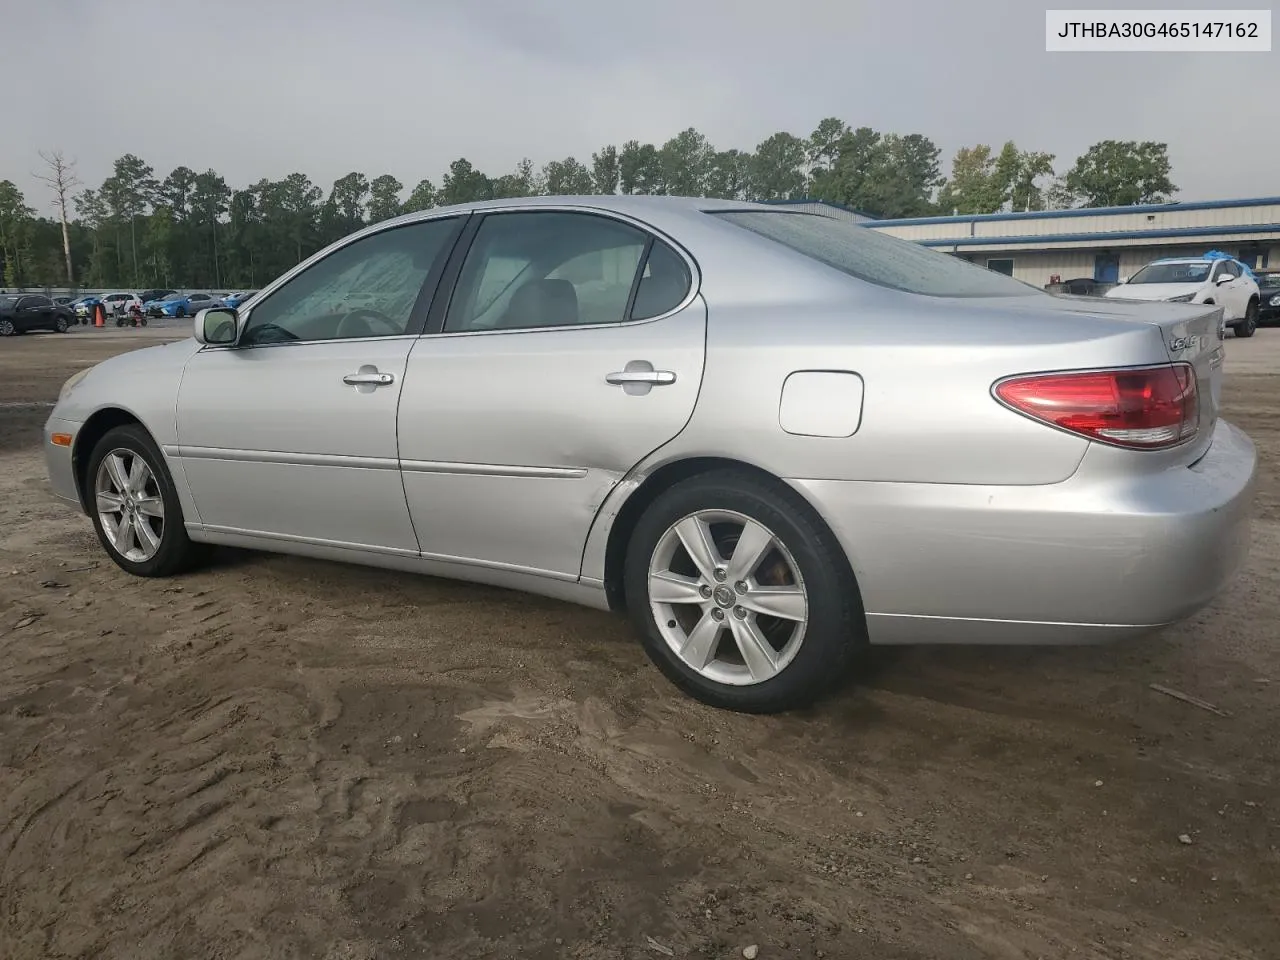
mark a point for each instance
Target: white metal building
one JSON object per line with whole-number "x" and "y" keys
{"x": 1104, "y": 243}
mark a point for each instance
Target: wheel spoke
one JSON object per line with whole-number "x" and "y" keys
{"x": 759, "y": 657}
{"x": 700, "y": 646}
{"x": 109, "y": 502}
{"x": 753, "y": 543}
{"x": 138, "y": 475}
{"x": 115, "y": 470}
{"x": 151, "y": 507}
{"x": 787, "y": 603}
{"x": 672, "y": 588}
{"x": 148, "y": 542}
{"x": 696, "y": 537}
{"x": 124, "y": 534}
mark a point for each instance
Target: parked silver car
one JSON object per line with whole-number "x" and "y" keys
{"x": 773, "y": 437}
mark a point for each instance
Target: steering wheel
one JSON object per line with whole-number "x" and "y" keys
{"x": 364, "y": 322}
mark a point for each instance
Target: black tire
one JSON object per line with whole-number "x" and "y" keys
{"x": 176, "y": 552}
{"x": 836, "y": 630}
{"x": 143, "y": 321}
{"x": 182, "y": 312}
{"x": 1249, "y": 325}
{"x": 60, "y": 325}
{"x": 7, "y": 328}
{"x": 119, "y": 321}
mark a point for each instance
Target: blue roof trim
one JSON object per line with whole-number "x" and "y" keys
{"x": 1101, "y": 239}
{"x": 1085, "y": 212}
{"x": 825, "y": 203}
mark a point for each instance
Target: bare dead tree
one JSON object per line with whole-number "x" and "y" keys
{"x": 62, "y": 179}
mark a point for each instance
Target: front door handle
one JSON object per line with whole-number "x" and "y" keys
{"x": 655, "y": 377}
{"x": 372, "y": 379}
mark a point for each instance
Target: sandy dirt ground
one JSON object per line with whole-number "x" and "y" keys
{"x": 283, "y": 758}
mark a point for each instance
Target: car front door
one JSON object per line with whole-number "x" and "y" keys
{"x": 571, "y": 348}
{"x": 34, "y": 313}
{"x": 1227, "y": 292}
{"x": 290, "y": 434}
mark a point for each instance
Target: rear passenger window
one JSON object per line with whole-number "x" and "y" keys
{"x": 546, "y": 269}
{"x": 664, "y": 284}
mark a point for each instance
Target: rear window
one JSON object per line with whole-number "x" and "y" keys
{"x": 877, "y": 257}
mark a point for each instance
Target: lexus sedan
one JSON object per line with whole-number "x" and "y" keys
{"x": 770, "y": 437}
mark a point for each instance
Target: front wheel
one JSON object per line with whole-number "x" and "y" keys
{"x": 135, "y": 509}
{"x": 741, "y": 594}
{"x": 7, "y": 329}
{"x": 182, "y": 312}
{"x": 61, "y": 325}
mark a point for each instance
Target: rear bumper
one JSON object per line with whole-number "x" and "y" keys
{"x": 1074, "y": 562}
{"x": 58, "y": 461}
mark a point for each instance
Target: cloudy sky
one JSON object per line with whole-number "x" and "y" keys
{"x": 261, "y": 88}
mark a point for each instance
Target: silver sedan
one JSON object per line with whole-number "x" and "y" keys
{"x": 771, "y": 437}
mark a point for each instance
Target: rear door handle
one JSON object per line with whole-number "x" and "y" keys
{"x": 655, "y": 377}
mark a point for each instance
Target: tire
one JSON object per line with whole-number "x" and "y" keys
{"x": 794, "y": 672}
{"x": 7, "y": 329}
{"x": 119, "y": 321}
{"x": 143, "y": 321}
{"x": 181, "y": 312}
{"x": 60, "y": 325}
{"x": 173, "y": 550}
{"x": 1249, "y": 325}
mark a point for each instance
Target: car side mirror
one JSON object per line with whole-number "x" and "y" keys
{"x": 1122, "y": 280}
{"x": 216, "y": 326}
{"x": 1224, "y": 278}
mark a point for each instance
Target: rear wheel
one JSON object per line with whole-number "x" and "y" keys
{"x": 61, "y": 325}
{"x": 1249, "y": 324}
{"x": 741, "y": 595}
{"x": 182, "y": 311}
{"x": 135, "y": 509}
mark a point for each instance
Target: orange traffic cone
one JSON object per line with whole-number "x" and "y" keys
{"x": 99, "y": 315}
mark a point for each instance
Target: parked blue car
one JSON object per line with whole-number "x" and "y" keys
{"x": 181, "y": 305}
{"x": 235, "y": 299}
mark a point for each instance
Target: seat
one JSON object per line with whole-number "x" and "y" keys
{"x": 542, "y": 303}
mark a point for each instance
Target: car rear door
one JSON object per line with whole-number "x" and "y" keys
{"x": 34, "y": 313}
{"x": 572, "y": 347}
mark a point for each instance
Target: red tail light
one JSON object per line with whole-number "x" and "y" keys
{"x": 1145, "y": 409}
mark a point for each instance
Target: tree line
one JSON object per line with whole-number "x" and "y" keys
{"x": 193, "y": 229}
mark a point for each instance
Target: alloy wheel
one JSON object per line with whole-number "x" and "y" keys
{"x": 727, "y": 597}
{"x": 129, "y": 504}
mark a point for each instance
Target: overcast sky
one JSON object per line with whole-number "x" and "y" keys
{"x": 261, "y": 88}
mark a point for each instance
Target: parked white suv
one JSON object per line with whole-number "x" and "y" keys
{"x": 117, "y": 303}
{"x": 1222, "y": 282}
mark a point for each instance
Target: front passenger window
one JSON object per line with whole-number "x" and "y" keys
{"x": 368, "y": 288}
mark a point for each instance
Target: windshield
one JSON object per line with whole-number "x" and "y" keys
{"x": 1195, "y": 271}
{"x": 878, "y": 257}
{"x": 175, "y": 296}
{"x": 1267, "y": 278}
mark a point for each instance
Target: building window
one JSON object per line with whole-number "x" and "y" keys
{"x": 1004, "y": 266}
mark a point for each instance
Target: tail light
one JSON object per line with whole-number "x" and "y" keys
{"x": 1146, "y": 409}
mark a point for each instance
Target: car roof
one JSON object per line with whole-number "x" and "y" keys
{"x": 641, "y": 206}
